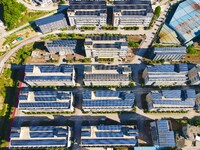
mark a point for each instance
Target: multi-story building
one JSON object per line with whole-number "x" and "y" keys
{"x": 51, "y": 23}
{"x": 166, "y": 75}
{"x": 106, "y": 47}
{"x": 107, "y": 75}
{"x": 87, "y": 13}
{"x": 169, "y": 53}
{"x": 171, "y": 100}
{"x": 63, "y": 47}
{"x": 49, "y": 75}
{"x": 40, "y": 137}
{"x": 162, "y": 134}
{"x": 109, "y": 136}
{"x": 45, "y": 100}
{"x": 107, "y": 101}
{"x": 194, "y": 75}
{"x": 132, "y": 13}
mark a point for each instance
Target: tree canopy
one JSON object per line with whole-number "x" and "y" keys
{"x": 157, "y": 11}
{"x": 12, "y": 12}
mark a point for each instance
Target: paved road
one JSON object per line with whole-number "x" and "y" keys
{"x": 33, "y": 7}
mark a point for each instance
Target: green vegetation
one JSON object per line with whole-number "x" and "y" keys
{"x": 131, "y": 28}
{"x": 153, "y": 62}
{"x": 16, "y": 14}
{"x": 23, "y": 54}
{"x": 154, "y": 18}
{"x": 64, "y": 29}
{"x": 10, "y": 38}
{"x": 133, "y": 44}
{"x": 105, "y": 59}
{"x": 12, "y": 12}
{"x": 85, "y": 60}
{"x": 109, "y": 28}
{"x": 87, "y": 28}
{"x": 157, "y": 11}
{"x": 8, "y": 90}
{"x": 191, "y": 50}
{"x": 52, "y": 61}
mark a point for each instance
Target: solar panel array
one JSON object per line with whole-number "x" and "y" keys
{"x": 109, "y": 134}
{"x": 106, "y": 67}
{"x": 107, "y": 103}
{"x": 47, "y": 78}
{"x": 29, "y": 68}
{"x": 39, "y": 136}
{"x": 109, "y": 127}
{"x": 44, "y": 105}
{"x": 106, "y": 77}
{"x": 170, "y": 50}
{"x": 135, "y": 13}
{"x": 116, "y": 45}
{"x": 162, "y": 134}
{"x": 106, "y": 93}
{"x": 50, "y": 19}
{"x": 109, "y": 141}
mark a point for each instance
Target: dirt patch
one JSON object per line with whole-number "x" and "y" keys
{"x": 192, "y": 58}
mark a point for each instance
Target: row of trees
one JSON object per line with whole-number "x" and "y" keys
{"x": 12, "y": 12}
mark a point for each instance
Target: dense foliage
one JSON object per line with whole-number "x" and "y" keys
{"x": 12, "y": 12}
{"x": 157, "y": 11}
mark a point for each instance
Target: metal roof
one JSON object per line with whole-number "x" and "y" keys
{"x": 50, "y": 19}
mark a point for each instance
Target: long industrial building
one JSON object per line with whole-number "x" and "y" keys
{"x": 162, "y": 134}
{"x": 186, "y": 20}
{"x": 132, "y": 13}
{"x": 194, "y": 75}
{"x": 106, "y": 46}
{"x": 51, "y": 23}
{"x": 49, "y": 75}
{"x": 166, "y": 75}
{"x": 107, "y": 75}
{"x": 169, "y": 53}
{"x": 61, "y": 47}
{"x": 45, "y": 100}
{"x": 87, "y": 13}
{"x": 107, "y": 101}
{"x": 109, "y": 136}
{"x": 171, "y": 100}
{"x": 40, "y": 137}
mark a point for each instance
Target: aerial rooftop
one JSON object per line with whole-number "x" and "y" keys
{"x": 170, "y": 50}
{"x": 185, "y": 20}
{"x": 161, "y": 133}
{"x": 107, "y": 100}
{"x": 50, "y": 19}
{"x": 109, "y": 135}
{"x": 40, "y": 136}
{"x": 45, "y": 100}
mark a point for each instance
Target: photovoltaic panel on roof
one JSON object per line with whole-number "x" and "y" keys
{"x": 109, "y": 141}
{"x": 41, "y": 134}
{"x": 134, "y": 13}
{"x": 105, "y": 93}
{"x": 109, "y": 127}
{"x": 45, "y": 99}
{"x": 109, "y": 134}
{"x": 106, "y": 45}
{"x": 49, "y": 69}
{"x": 47, "y": 78}
{"x": 85, "y": 133}
{"x": 108, "y": 103}
{"x": 40, "y": 142}
{"x": 14, "y": 135}
{"x": 50, "y": 19}
{"x": 41, "y": 128}
{"x": 44, "y": 105}
{"x": 106, "y": 67}
{"x": 29, "y": 68}
{"x": 45, "y": 93}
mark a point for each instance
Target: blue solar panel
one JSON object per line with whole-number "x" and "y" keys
{"x": 47, "y": 78}
{"x": 14, "y": 135}
{"x": 50, "y": 19}
{"x": 108, "y": 103}
{"x": 23, "y": 97}
{"x": 85, "y": 133}
{"x": 49, "y": 69}
{"x": 39, "y": 142}
{"x": 29, "y": 68}
{"x": 109, "y": 134}
{"x": 41, "y": 128}
{"x": 45, "y": 99}
{"x": 109, "y": 141}
{"x": 42, "y": 105}
{"x": 107, "y": 93}
{"x": 109, "y": 127}
{"x": 41, "y": 134}
{"x": 45, "y": 93}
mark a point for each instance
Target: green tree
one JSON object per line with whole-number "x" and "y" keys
{"x": 157, "y": 11}
{"x": 12, "y": 12}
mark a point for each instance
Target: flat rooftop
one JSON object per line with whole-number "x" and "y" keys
{"x": 44, "y": 99}
{"x": 113, "y": 135}
{"x": 38, "y": 136}
{"x": 170, "y": 50}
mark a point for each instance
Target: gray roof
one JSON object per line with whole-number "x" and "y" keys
{"x": 170, "y": 50}
{"x": 50, "y": 19}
